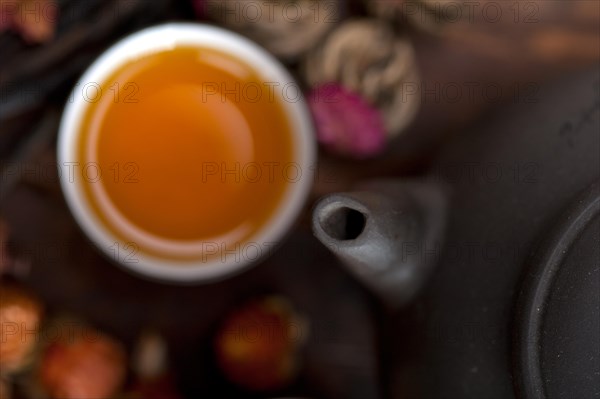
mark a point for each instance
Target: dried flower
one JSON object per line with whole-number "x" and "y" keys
{"x": 86, "y": 365}
{"x": 150, "y": 356}
{"x": 34, "y": 20}
{"x": 345, "y": 123}
{"x": 257, "y": 345}
{"x": 367, "y": 58}
{"x": 20, "y": 315}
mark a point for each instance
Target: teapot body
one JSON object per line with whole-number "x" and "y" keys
{"x": 509, "y": 306}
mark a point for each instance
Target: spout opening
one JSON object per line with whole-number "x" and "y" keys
{"x": 344, "y": 223}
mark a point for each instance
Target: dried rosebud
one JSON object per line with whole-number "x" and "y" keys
{"x": 345, "y": 123}
{"x": 82, "y": 365}
{"x": 257, "y": 345}
{"x": 34, "y": 20}
{"x": 368, "y": 58}
{"x": 20, "y": 315}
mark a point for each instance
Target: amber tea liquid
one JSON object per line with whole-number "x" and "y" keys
{"x": 191, "y": 145}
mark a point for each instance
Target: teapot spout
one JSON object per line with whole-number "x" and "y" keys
{"x": 383, "y": 234}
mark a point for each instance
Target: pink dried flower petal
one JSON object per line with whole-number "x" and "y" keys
{"x": 345, "y": 123}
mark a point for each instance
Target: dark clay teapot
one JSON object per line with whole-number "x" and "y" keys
{"x": 504, "y": 301}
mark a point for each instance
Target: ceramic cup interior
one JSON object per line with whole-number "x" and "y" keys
{"x": 161, "y": 38}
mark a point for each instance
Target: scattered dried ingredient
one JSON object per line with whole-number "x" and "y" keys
{"x": 257, "y": 345}
{"x": 20, "y": 316}
{"x": 82, "y": 364}
{"x": 345, "y": 123}
{"x": 34, "y": 20}
{"x": 366, "y": 57}
{"x": 149, "y": 359}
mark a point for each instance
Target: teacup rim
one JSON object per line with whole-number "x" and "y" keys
{"x": 195, "y": 34}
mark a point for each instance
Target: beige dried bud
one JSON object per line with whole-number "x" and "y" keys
{"x": 149, "y": 359}
{"x": 367, "y": 57}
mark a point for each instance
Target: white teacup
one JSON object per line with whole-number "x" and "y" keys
{"x": 122, "y": 251}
